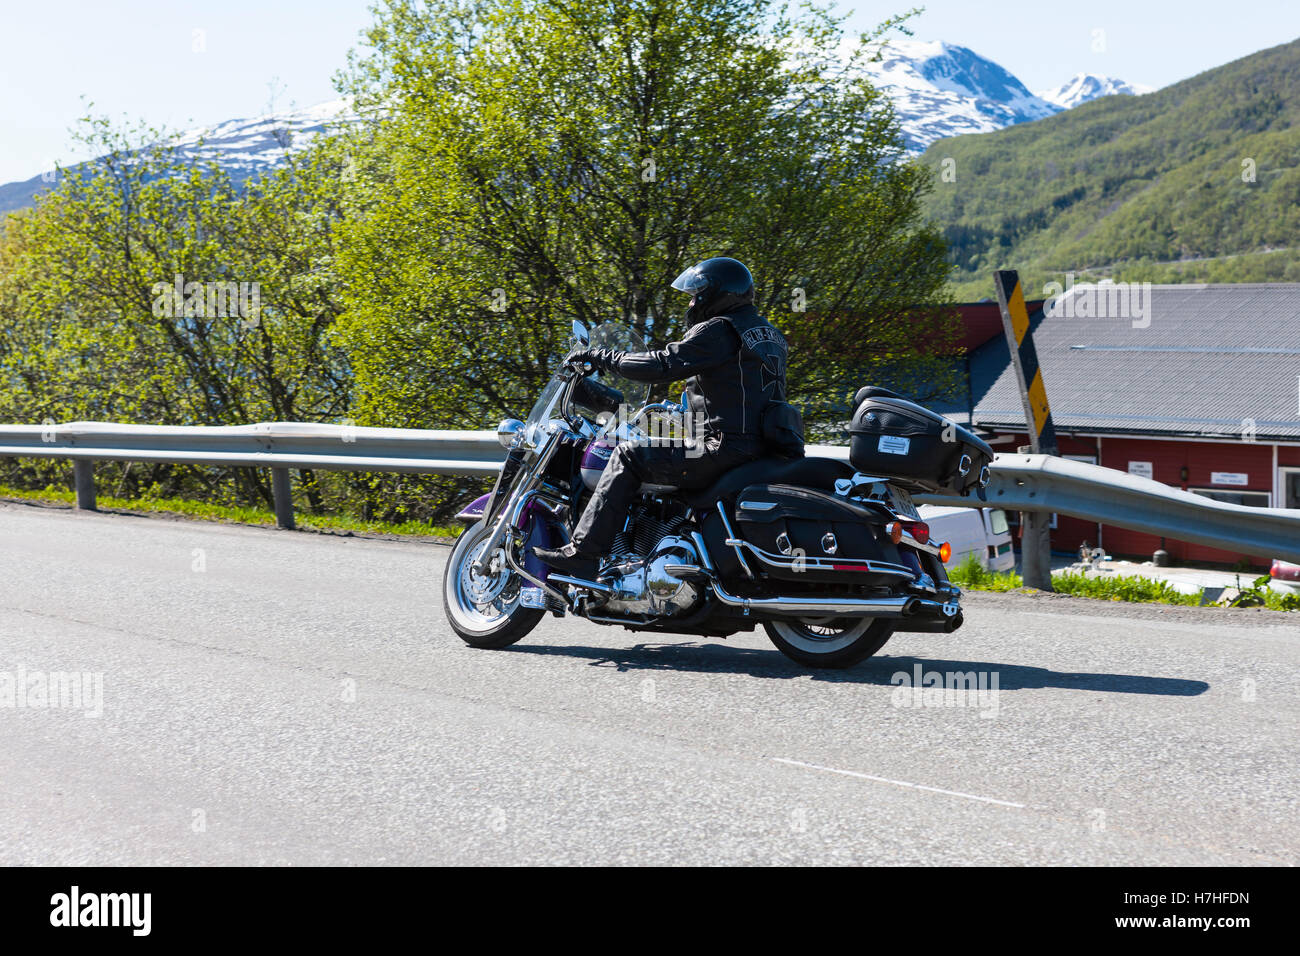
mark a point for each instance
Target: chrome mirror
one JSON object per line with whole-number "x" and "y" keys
{"x": 508, "y": 430}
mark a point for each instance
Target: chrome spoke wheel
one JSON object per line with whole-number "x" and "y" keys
{"x": 490, "y": 594}
{"x": 829, "y": 641}
{"x": 483, "y": 606}
{"x": 484, "y": 598}
{"x": 822, "y": 635}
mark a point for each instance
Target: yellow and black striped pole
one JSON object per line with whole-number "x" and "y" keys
{"x": 1015, "y": 322}
{"x": 1035, "y": 530}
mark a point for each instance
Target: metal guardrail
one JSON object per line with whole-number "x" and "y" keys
{"x": 1044, "y": 483}
{"x": 267, "y": 444}
{"x": 1094, "y": 493}
{"x": 275, "y": 445}
{"x": 1019, "y": 483}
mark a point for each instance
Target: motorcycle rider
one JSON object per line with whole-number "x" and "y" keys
{"x": 735, "y": 363}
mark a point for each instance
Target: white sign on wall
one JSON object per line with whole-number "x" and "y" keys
{"x": 1229, "y": 478}
{"x": 1142, "y": 469}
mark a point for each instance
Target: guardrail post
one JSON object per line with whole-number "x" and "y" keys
{"x": 283, "y": 495}
{"x": 1035, "y": 545}
{"x": 1036, "y": 549}
{"x": 83, "y": 480}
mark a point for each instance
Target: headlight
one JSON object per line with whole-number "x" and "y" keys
{"x": 507, "y": 431}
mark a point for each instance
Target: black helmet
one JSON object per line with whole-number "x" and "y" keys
{"x": 718, "y": 285}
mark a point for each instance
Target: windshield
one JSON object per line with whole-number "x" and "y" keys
{"x": 608, "y": 335}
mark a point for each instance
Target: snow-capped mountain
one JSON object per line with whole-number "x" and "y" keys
{"x": 248, "y": 146}
{"x": 938, "y": 90}
{"x": 243, "y": 147}
{"x": 941, "y": 89}
{"x": 1089, "y": 86}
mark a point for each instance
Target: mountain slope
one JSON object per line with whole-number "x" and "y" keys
{"x": 1202, "y": 170}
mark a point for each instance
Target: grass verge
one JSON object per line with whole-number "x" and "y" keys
{"x": 236, "y": 514}
{"x": 972, "y": 575}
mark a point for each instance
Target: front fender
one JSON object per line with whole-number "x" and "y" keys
{"x": 538, "y": 532}
{"x": 475, "y": 510}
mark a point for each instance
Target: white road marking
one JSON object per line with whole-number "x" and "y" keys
{"x": 899, "y": 783}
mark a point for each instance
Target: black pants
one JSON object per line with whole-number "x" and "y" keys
{"x": 632, "y": 465}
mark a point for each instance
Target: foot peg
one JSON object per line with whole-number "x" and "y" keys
{"x": 595, "y": 586}
{"x": 569, "y": 560}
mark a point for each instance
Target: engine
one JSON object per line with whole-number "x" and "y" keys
{"x": 642, "y": 585}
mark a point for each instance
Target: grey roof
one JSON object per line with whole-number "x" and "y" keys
{"x": 1191, "y": 360}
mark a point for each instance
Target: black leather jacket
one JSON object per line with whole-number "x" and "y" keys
{"x": 734, "y": 364}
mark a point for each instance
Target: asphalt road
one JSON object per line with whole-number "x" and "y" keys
{"x": 277, "y": 697}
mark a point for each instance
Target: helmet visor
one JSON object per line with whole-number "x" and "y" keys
{"x": 692, "y": 281}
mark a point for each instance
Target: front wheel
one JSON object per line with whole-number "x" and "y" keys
{"x": 829, "y": 642}
{"x": 484, "y": 608}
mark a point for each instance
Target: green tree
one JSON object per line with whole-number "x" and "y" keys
{"x": 149, "y": 287}
{"x": 543, "y": 161}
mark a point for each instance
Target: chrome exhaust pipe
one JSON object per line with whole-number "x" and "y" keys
{"x": 891, "y": 607}
{"x": 938, "y": 609}
{"x": 827, "y": 607}
{"x": 931, "y": 625}
{"x": 933, "y": 617}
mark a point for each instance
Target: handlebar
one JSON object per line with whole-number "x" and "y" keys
{"x": 601, "y": 397}
{"x": 672, "y": 408}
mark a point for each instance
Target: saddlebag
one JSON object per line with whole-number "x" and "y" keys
{"x": 811, "y": 536}
{"x": 915, "y": 447}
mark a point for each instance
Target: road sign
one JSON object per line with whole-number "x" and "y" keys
{"x": 1024, "y": 359}
{"x": 1035, "y": 528}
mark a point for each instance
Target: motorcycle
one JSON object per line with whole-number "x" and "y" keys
{"x": 831, "y": 558}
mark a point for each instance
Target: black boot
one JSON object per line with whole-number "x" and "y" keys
{"x": 569, "y": 560}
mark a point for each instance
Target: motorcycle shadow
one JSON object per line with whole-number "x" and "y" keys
{"x": 882, "y": 670}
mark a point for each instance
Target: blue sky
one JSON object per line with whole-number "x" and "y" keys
{"x": 143, "y": 59}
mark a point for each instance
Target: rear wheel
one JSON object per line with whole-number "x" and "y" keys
{"x": 483, "y": 608}
{"x": 829, "y": 641}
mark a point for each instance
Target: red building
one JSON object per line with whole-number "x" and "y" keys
{"x": 1194, "y": 386}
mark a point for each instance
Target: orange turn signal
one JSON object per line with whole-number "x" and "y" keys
{"x": 945, "y": 552}
{"x": 895, "y": 531}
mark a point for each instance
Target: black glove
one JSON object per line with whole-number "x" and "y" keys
{"x": 597, "y": 358}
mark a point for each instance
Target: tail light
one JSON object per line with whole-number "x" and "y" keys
{"x": 919, "y": 530}
{"x": 1284, "y": 571}
{"x": 945, "y": 552}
